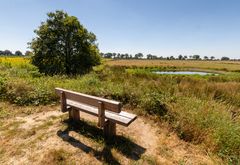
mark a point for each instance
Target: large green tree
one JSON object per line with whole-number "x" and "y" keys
{"x": 64, "y": 46}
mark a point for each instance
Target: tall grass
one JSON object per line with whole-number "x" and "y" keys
{"x": 210, "y": 123}
{"x": 202, "y": 110}
{"x": 182, "y": 64}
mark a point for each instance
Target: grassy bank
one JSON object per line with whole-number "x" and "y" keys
{"x": 202, "y": 110}
{"x": 180, "y": 64}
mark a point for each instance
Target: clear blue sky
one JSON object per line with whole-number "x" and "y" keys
{"x": 160, "y": 27}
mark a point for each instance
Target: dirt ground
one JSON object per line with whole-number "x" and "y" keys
{"x": 47, "y": 137}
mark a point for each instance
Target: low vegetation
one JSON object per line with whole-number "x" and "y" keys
{"x": 203, "y": 110}
{"x": 180, "y": 64}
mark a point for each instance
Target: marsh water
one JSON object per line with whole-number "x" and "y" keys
{"x": 184, "y": 73}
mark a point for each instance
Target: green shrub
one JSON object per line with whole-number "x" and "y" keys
{"x": 2, "y": 86}
{"x": 22, "y": 93}
{"x": 154, "y": 103}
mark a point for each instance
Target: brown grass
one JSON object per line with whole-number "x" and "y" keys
{"x": 45, "y": 137}
{"x": 215, "y": 65}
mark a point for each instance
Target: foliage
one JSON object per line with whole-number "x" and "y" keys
{"x": 154, "y": 103}
{"x": 196, "y": 65}
{"x": 18, "y": 53}
{"x": 2, "y": 85}
{"x": 156, "y": 57}
{"x": 225, "y": 58}
{"x": 64, "y": 46}
{"x": 28, "y": 53}
{"x": 208, "y": 122}
{"x": 6, "y": 52}
{"x": 180, "y": 57}
{"x": 196, "y": 57}
{"x": 138, "y": 55}
{"x": 201, "y": 109}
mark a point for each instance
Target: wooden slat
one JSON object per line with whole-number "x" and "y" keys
{"x": 85, "y": 108}
{"x": 120, "y": 118}
{"x": 101, "y": 114}
{"x": 128, "y": 115}
{"x": 110, "y": 105}
{"x": 63, "y": 102}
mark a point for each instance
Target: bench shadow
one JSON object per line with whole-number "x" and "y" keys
{"x": 122, "y": 144}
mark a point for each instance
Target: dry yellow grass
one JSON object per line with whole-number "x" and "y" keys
{"x": 215, "y": 65}
{"x": 36, "y": 141}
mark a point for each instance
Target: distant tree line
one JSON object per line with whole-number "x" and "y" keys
{"x": 130, "y": 56}
{"x": 155, "y": 57}
{"x": 122, "y": 56}
{"x": 16, "y": 53}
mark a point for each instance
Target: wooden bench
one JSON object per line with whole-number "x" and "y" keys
{"x": 109, "y": 112}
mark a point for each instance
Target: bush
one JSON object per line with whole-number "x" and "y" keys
{"x": 22, "y": 93}
{"x": 153, "y": 103}
{"x": 2, "y": 86}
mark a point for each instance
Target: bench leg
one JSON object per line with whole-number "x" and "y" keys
{"x": 109, "y": 129}
{"x": 74, "y": 114}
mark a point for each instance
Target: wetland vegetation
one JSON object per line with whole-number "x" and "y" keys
{"x": 202, "y": 110}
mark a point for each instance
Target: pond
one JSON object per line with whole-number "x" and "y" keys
{"x": 184, "y": 73}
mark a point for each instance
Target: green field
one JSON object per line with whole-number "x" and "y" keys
{"x": 202, "y": 110}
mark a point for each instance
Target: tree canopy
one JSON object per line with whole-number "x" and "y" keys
{"x": 6, "y": 52}
{"x": 225, "y": 58}
{"x": 196, "y": 57}
{"x": 28, "y": 53}
{"x": 138, "y": 55}
{"x": 18, "y": 53}
{"x": 64, "y": 46}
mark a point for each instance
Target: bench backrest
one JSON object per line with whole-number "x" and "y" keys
{"x": 90, "y": 100}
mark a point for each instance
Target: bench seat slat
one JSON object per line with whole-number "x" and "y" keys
{"x": 122, "y": 118}
{"x": 111, "y": 105}
{"x": 128, "y": 115}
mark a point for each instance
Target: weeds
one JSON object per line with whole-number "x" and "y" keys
{"x": 202, "y": 110}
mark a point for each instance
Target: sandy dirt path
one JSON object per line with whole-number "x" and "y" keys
{"x": 46, "y": 138}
